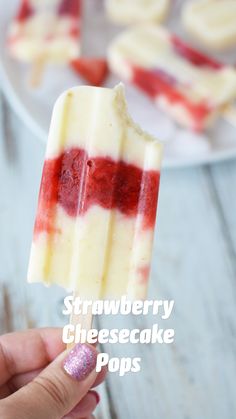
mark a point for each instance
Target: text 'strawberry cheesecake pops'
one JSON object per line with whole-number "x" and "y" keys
{"x": 212, "y": 22}
{"x": 127, "y": 12}
{"x": 46, "y": 30}
{"x": 98, "y": 198}
{"x": 192, "y": 88}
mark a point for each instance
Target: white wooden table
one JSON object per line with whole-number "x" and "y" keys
{"x": 194, "y": 264}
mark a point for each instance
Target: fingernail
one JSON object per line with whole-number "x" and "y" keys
{"x": 80, "y": 361}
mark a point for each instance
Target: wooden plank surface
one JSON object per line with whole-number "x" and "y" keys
{"x": 194, "y": 264}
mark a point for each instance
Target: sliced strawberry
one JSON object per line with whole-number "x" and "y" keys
{"x": 93, "y": 70}
{"x": 25, "y": 11}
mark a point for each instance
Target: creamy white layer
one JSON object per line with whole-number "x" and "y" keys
{"x": 136, "y": 11}
{"x": 102, "y": 254}
{"x": 96, "y": 120}
{"x": 150, "y": 47}
{"x": 44, "y": 35}
{"x": 213, "y": 22}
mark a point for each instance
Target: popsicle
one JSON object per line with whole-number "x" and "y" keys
{"x": 47, "y": 31}
{"x": 135, "y": 11}
{"x": 191, "y": 87}
{"x": 98, "y": 198}
{"x": 212, "y": 22}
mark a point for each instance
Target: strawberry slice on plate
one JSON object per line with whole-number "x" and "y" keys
{"x": 93, "y": 70}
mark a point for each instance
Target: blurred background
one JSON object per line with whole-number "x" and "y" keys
{"x": 195, "y": 242}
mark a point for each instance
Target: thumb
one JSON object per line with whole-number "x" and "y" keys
{"x": 59, "y": 387}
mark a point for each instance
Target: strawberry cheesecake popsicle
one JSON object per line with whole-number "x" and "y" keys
{"x": 126, "y": 12}
{"x": 98, "y": 198}
{"x": 211, "y": 22}
{"x": 47, "y": 31}
{"x": 191, "y": 87}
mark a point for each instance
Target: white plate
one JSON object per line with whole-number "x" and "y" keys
{"x": 183, "y": 148}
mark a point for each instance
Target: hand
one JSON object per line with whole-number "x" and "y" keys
{"x": 37, "y": 381}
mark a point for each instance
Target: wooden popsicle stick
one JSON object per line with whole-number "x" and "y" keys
{"x": 85, "y": 321}
{"x": 36, "y": 71}
{"x": 229, "y": 114}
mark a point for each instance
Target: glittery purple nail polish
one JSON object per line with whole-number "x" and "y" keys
{"x": 80, "y": 361}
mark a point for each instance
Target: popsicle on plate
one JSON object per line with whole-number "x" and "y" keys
{"x": 212, "y": 22}
{"x": 46, "y": 31}
{"x": 191, "y": 87}
{"x": 98, "y": 198}
{"x": 135, "y": 11}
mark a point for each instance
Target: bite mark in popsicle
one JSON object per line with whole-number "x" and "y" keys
{"x": 98, "y": 197}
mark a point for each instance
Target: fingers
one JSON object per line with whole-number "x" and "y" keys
{"x": 86, "y": 407}
{"x": 18, "y": 381}
{"x": 21, "y": 380}
{"x": 58, "y": 388}
{"x": 27, "y": 351}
